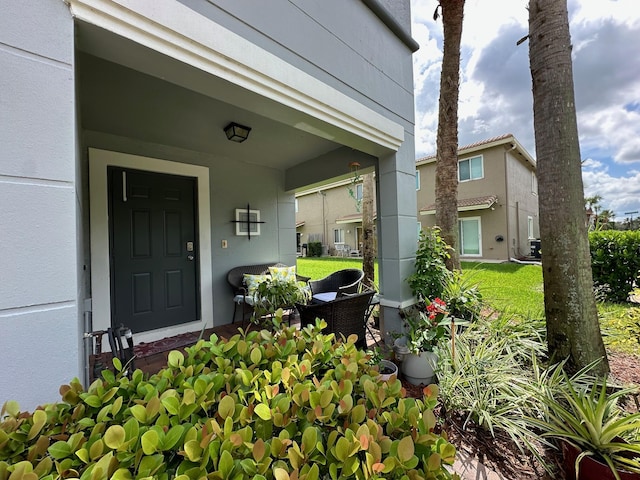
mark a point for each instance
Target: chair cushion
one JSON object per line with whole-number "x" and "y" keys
{"x": 283, "y": 273}
{"x": 252, "y": 282}
{"x": 325, "y": 296}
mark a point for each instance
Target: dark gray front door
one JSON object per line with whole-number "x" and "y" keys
{"x": 153, "y": 249}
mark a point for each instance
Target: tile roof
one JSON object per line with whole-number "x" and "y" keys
{"x": 475, "y": 203}
{"x": 506, "y": 136}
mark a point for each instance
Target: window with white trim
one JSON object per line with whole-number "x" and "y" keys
{"x": 534, "y": 183}
{"x": 297, "y": 205}
{"x": 470, "y": 169}
{"x": 359, "y": 191}
{"x": 530, "y": 227}
{"x": 338, "y": 235}
{"x": 417, "y": 180}
{"x": 470, "y": 236}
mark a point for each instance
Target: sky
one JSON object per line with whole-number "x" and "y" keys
{"x": 495, "y": 86}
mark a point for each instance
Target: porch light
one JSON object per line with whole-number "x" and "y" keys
{"x": 237, "y": 133}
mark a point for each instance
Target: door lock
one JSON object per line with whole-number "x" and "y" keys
{"x": 189, "y": 246}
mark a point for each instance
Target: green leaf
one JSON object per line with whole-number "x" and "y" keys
{"x": 60, "y": 450}
{"x": 175, "y": 359}
{"x": 150, "y": 442}
{"x": 114, "y": 437}
{"x": 263, "y": 411}
{"x": 256, "y": 355}
{"x": 406, "y": 449}
{"x": 139, "y": 412}
{"x": 226, "y": 407}
{"x": 226, "y": 464}
{"x": 93, "y": 401}
{"x": 172, "y": 437}
{"x": 280, "y": 474}
{"x": 193, "y": 450}
{"x": 39, "y": 419}
{"x": 83, "y": 454}
{"x": 309, "y": 439}
{"x": 171, "y": 404}
{"x": 122, "y": 474}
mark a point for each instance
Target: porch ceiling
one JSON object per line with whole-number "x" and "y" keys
{"x": 272, "y": 142}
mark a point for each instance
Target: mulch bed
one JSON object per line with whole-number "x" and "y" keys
{"x": 499, "y": 453}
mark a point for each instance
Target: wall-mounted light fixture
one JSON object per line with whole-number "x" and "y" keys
{"x": 236, "y": 132}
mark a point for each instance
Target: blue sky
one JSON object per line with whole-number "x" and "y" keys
{"x": 495, "y": 90}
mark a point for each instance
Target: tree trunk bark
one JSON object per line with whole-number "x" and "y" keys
{"x": 447, "y": 137}
{"x": 573, "y": 330}
{"x": 368, "y": 247}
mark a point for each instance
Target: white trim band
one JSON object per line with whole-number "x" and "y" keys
{"x": 173, "y": 29}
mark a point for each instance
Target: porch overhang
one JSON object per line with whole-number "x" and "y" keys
{"x": 353, "y": 218}
{"x": 292, "y": 96}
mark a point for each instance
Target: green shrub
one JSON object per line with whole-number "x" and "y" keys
{"x": 463, "y": 296}
{"x": 615, "y": 262}
{"x": 314, "y": 249}
{"x": 261, "y": 405}
{"x": 431, "y": 274}
{"x": 485, "y": 375}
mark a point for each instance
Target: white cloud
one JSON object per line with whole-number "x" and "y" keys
{"x": 495, "y": 90}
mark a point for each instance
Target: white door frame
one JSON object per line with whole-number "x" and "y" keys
{"x": 99, "y": 161}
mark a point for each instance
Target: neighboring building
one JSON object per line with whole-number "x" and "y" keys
{"x": 120, "y": 190}
{"x": 497, "y": 206}
{"x": 497, "y": 199}
{"x": 332, "y": 215}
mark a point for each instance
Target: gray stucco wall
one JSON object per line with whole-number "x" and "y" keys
{"x": 523, "y": 203}
{"x": 126, "y": 111}
{"x": 342, "y": 43}
{"x": 39, "y": 337}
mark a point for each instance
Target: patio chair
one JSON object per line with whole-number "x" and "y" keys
{"x": 344, "y": 315}
{"x": 342, "y": 281}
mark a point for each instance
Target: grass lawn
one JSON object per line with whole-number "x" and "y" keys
{"x": 514, "y": 288}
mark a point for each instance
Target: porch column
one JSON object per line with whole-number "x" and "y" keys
{"x": 39, "y": 245}
{"x": 398, "y": 232}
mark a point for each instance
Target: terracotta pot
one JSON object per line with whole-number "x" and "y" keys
{"x": 590, "y": 467}
{"x": 419, "y": 369}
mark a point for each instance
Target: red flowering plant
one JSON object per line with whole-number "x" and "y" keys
{"x": 425, "y": 326}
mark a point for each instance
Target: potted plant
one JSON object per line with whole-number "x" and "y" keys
{"x": 386, "y": 368}
{"x": 599, "y": 440}
{"x": 424, "y": 327}
{"x": 278, "y": 292}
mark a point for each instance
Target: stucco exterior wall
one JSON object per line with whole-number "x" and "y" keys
{"x": 506, "y": 175}
{"x": 39, "y": 334}
{"x": 342, "y": 84}
{"x": 120, "y": 112}
{"x": 371, "y": 63}
{"x": 523, "y": 204}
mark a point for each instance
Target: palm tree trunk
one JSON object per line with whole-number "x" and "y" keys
{"x": 573, "y": 330}
{"x": 447, "y": 139}
{"x": 368, "y": 247}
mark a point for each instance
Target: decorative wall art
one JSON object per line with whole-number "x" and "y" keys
{"x": 247, "y": 222}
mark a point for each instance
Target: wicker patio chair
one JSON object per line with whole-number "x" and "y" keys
{"x": 342, "y": 281}
{"x": 235, "y": 278}
{"x": 344, "y": 315}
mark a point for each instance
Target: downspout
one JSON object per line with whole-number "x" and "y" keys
{"x": 88, "y": 340}
{"x": 517, "y": 249}
{"x": 510, "y": 247}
